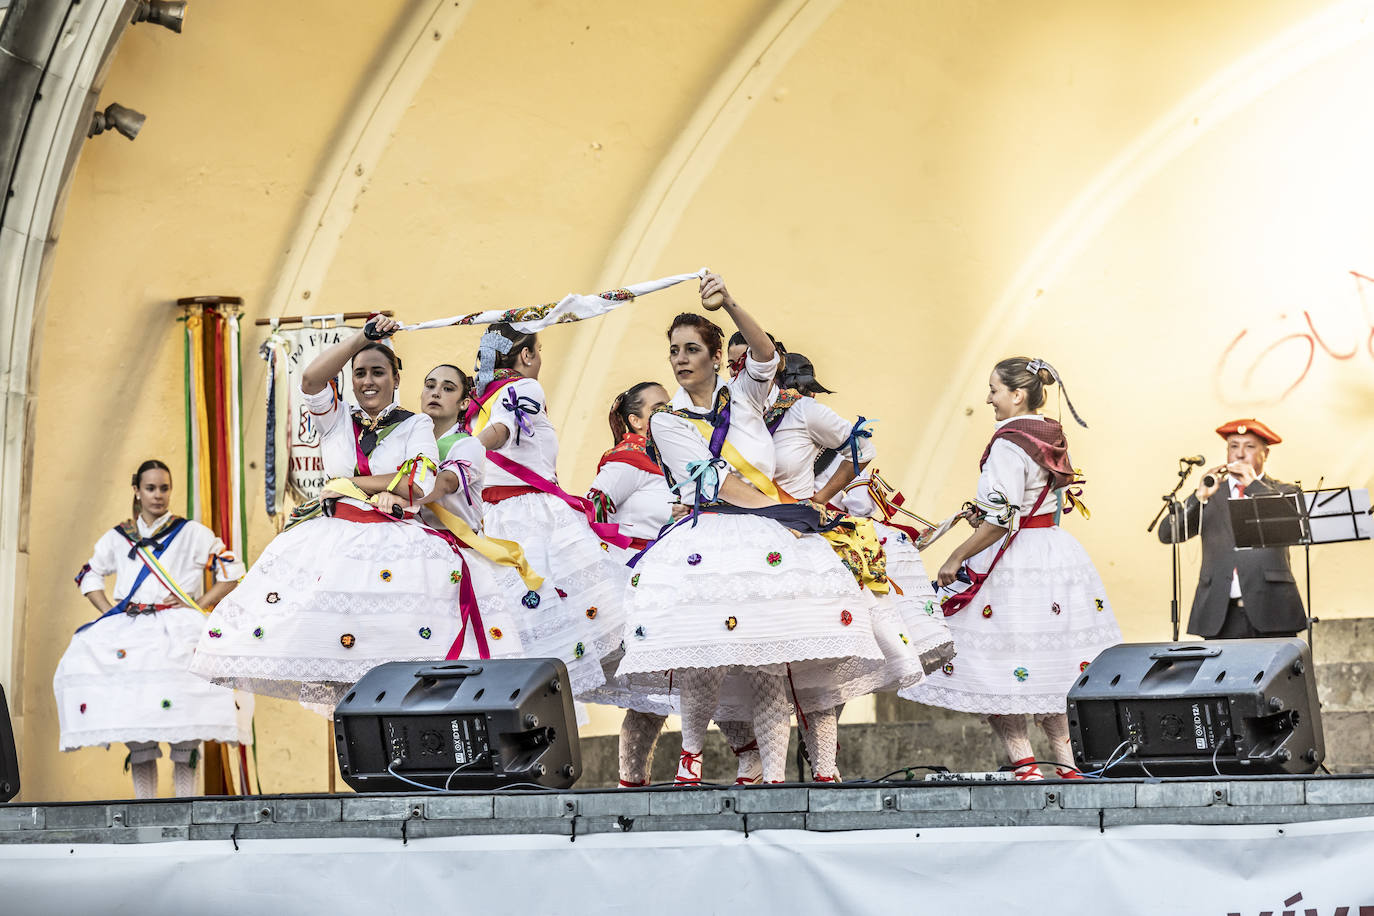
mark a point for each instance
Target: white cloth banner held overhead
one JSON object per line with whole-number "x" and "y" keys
{"x": 572, "y": 307}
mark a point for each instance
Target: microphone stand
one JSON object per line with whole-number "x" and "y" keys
{"x": 1177, "y": 515}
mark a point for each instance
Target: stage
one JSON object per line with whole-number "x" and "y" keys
{"x": 1205, "y": 846}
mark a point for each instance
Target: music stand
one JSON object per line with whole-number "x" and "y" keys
{"x": 1324, "y": 516}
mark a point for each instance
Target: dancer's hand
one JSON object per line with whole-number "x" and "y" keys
{"x": 949, "y": 572}
{"x": 711, "y": 284}
{"x": 388, "y": 501}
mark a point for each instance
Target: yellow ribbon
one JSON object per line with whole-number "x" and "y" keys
{"x": 861, "y": 551}
{"x": 498, "y": 551}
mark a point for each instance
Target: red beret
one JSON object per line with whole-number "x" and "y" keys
{"x": 1252, "y": 426}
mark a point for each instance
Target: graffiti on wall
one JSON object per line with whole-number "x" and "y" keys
{"x": 1262, "y": 366}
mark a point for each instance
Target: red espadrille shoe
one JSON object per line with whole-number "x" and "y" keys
{"x": 750, "y": 765}
{"x": 1026, "y": 770}
{"x": 688, "y": 770}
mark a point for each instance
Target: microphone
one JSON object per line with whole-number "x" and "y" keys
{"x": 1194, "y": 459}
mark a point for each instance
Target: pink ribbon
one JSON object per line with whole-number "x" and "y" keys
{"x": 607, "y": 532}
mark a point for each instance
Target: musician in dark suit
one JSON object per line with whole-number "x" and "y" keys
{"x": 1240, "y": 593}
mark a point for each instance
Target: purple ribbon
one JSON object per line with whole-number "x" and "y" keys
{"x": 461, "y": 467}
{"x": 520, "y": 406}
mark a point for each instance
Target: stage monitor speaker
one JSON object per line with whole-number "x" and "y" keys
{"x": 9, "y": 755}
{"x": 459, "y": 725}
{"x": 1232, "y": 707}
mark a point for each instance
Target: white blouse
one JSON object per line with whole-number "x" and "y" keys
{"x": 679, "y": 443}
{"x": 855, "y": 499}
{"x": 538, "y": 448}
{"x": 465, "y": 456}
{"x": 806, "y": 429}
{"x": 1014, "y": 474}
{"x": 643, "y": 503}
{"x": 194, "y": 549}
{"x": 338, "y": 447}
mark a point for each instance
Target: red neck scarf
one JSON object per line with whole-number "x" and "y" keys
{"x": 1044, "y": 441}
{"x": 632, "y": 450}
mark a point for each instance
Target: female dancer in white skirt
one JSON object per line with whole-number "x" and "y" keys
{"x": 629, "y": 490}
{"x": 1041, "y": 614}
{"x": 733, "y": 589}
{"x": 499, "y": 624}
{"x": 344, "y": 588}
{"x": 581, "y": 603}
{"x": 802, "y": 428}
{"x": 124, "y": 677}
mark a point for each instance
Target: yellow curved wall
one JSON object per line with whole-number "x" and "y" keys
{"x": 904, "y": 191}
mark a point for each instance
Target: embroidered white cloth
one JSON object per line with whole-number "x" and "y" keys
{"x": 572, "y": 307}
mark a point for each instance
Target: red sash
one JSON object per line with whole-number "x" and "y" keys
{"x": 956, "y": 603}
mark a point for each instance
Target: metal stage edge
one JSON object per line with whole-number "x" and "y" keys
{"x": 574, "y": 813}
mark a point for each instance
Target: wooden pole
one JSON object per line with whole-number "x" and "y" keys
{"x": 329, "y": 750}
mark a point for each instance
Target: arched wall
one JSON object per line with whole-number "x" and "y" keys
{"x": 905, "y": 191}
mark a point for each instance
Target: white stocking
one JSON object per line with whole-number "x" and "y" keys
{"x": 772, "y": 723}
{"x": 822, "y": 736}
{"x": 740, "y": 737}
{"x": 145, "y": 779}
{"x": 183, "y": 774}
{"x": 1011, "y": 730}
{"x": 699, "y": 689}
{"x": 1056, "y": 729}
{"x": 638, "y": 734}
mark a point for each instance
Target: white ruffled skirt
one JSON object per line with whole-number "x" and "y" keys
{"x": 1039, "y": 619}
{"x": 125, "y": 678}
{"x": 330, "y": 599}
{"x": 745, "y": 592}
{"x": 579, "y": 612}
{"x": 926, "y": 628}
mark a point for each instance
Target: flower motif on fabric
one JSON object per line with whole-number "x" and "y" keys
{"x": 1083, "y": 666}
{"x": 591, "y": 612}
{"x": 930, "y": 607}
{"x": 456, "y": 576}
{"x": 166, "y": 704}
{"x": 1100, "y": 604}
{"x": 605, "y": 546}
{"x": 846, "y": 618}
{"x": 639, "y": 633}
{"x": 634, "y": 581}
{"x": 579, "y": 650}
{"x": 987, "y": 610}
{"x": 1056, "y": 609}
{"x": 216, "y": 633}
{"x": 385, "y": 575}
{"x": 531, "y": 599}
{"x": 901, "y": 537}
{"x": 948, "y": 669}
{"x": 495, "y": 632}
{"x": 561, "y": 593}
{"x": 426, "y": 632}
{"x": 273, "y": 597}
{"x": 257, "y": 633}
{"x": 693, "y": 559}
{"x": 347, "y": 640}
{"x": 1020, "y": 674}
{"x": 731, "y": 622}
{"x": 905, "y": 641}
{"x": 120, "y": 653}
{"x": 83, "y": 707}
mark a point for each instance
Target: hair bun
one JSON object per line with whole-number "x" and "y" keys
{"x": 1046, "y": 376}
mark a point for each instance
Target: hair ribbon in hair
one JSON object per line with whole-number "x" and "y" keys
{"x": 492, "y": 342}
{"x": 1035, "y": 365}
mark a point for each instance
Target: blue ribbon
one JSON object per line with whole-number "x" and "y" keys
{"x": 705, "y": 474}
{"x": 521, "y": 406}
{"x": 158, "y": 551}
{"x": 860, "y": 431}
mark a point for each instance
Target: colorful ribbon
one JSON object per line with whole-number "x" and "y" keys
{"x": 607, "y": 532}
{"x": 520, "y": 406}
{"x": 860, "y": 431}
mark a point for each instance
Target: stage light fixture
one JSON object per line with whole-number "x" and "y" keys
{"x": 166, "y": 13}
{"x": 116, "y": 117}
